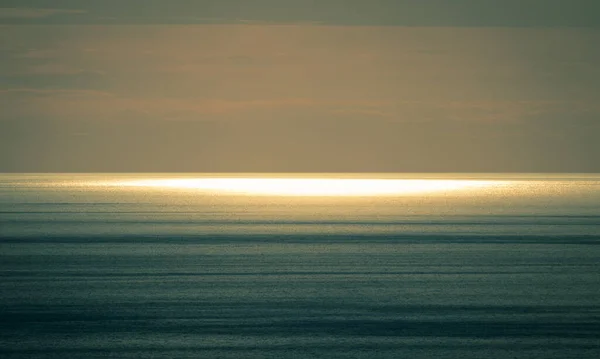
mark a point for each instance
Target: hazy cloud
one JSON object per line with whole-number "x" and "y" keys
{"x": 298, "y": 98}
{"x": 469, "y": 13}
{"x": 35, "y": 13}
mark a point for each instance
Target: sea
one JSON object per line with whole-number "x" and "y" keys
{"x": 300, "y": 266}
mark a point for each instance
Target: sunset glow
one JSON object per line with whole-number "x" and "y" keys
{"x": 312, "y": 186}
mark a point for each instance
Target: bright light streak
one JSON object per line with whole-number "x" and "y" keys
{"x": 311, "y": 186}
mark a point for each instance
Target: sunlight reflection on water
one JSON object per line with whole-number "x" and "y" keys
{"x": 224, "y": 204}
{"x": 312, "y": 186}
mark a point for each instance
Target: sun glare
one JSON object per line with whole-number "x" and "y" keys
{"x": 311, "y": 186}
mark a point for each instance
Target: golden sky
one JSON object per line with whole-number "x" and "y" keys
{"x": 336, "y": 87}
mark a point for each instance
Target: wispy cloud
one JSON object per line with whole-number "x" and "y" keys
{"x": 464, "y": 13}
{"x": 35, "y": 13}
{"x": 277, "y": 23}
{"x": 50, "y": 92}
{"x": 100, "y": 105}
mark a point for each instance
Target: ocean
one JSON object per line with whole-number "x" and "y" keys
{"x": 300, "y": 266}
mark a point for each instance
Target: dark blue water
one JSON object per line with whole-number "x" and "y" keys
{"x": 91, "y": 267}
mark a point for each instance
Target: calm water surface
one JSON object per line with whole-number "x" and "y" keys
{"x": 454, "y": 266}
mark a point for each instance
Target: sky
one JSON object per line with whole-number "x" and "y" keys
{"x": 300, "y": 86}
